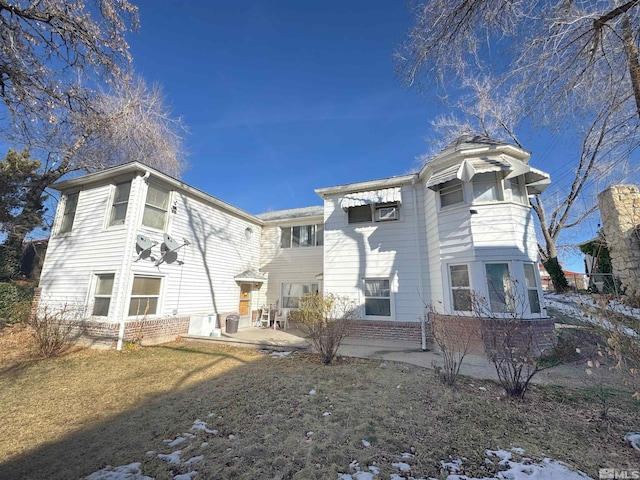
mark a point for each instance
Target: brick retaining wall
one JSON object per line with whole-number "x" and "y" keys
{"x": 531, "y": 336}
{"x": 388, "y": 330}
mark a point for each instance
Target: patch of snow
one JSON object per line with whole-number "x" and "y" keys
{"x": 312, "y": 391}
{"x": 373, "y": 469}
{"x": 202, "y": 425}
{"x": 123, "y": 472}
{"x": 326, "y": 414}
{"x": 407, "y": 455}
{"x": 185, "y": 476}
{"x": 309, "y": 434}
{"x": 280, "y": 354}
{"x": 173, "y": 458}
{"x": 204, "y": 444}
{"x": 232, "y": 436}
{"x": 211, "y": 415}
{"x": 453, "y": 466}
{"x": 402, "y": 466}
{"x": 176, "y": 442}
{"x": 188, "y": 435}
{"x": 354, "y": 466}
{"x": 151, "y": 453}
{"x": 634, "y": 439}
{"x": 482, "y": 389}
{"x": 193, "y": 460}
{"x": 519, "y": 451}
{"x": 366, "y": 443}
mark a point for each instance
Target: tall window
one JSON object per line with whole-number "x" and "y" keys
{"x": 293, "y": 292}
{"x": 70, "y": 205}
{"x": 517, "y": 194}
{"x": 155, "y": 207}
{"x": 120, "y": 202}
{"x": 377, "y": 297}
{"x": 499, "y": 286}
{"x": 451, "y": 193}
{"x": 532, "y": 287}
{"x": 102, "y": 295}
{"x": 460, "y": 288}
{"x": 302, "y": 236}
{"x": 485, "y": 187}
{"x": 144, "y": 296}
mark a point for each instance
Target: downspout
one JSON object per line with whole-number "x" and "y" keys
{"x": 127, "y": 262}
{"x": 419, "y": 260}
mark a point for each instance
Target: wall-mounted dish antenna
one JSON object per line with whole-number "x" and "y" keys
{"x": 144, "y": 246}
{"x": 169, "y": 248}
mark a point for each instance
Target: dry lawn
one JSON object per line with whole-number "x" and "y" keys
{"x": 64, "y": 418}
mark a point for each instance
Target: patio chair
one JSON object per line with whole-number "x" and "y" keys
{"x": 282, "y": 318}
{"x": 265, "y": 316}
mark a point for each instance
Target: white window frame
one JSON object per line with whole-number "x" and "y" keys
{"x": 495, "y": 182}
{"x": 453, "y": 287}
{"x": 157, "y": 296}
{"x": 111, "y": 222}
{"x": 448, "y": 188}
{"x": 508, "y": 306}
{"x": 376, "y": 214}
{"x": 66, "y": 214}
{"x": 518, "y": 182}
{"x": 365, "y": 297}
{"x": 312, "y": 287}
{"x": 95, "y": 294}
{"x": 157, "y": 208}
{"x": 315, "y": 228}
{"x": 533, "y": 288}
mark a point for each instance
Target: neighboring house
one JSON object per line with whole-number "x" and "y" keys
{"x": 574, "y": 279}
{"x": 394, "y": 246}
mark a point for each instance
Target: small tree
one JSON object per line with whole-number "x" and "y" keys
{"x": 454, "y": 344}
{"x": 53, "y": 328}
{"x": 323, "y": 319}
{"x": 509, "y": 339}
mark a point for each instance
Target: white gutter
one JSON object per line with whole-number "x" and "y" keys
{"x": 419, "y": 258}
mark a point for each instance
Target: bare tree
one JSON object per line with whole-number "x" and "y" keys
{"x": 49, "y": 49}
{"x": 131, "y": 122}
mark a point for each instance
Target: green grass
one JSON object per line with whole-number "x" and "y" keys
{"x": 70, "y": 416}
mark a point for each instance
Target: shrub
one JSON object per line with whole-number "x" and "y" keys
{"x": 453, "y": 346}
{"x": 53, "y": 329}
{"x": 323, "y": 319}
{"x": 15, "y": 302}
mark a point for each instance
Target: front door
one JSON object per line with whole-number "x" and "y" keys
{"x": 245, "y": 299}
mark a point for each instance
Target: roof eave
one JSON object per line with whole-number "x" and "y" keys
{"x": 369, "y": 185}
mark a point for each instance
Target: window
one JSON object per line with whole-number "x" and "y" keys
{"x": 460, "y": 288}
{"x": 302, "y": 236}
{"x": 361, "y": 214}
{"x": 379, "y": 212}
{"x": 102, "y": 295}
{"x": 517, "y": 195}
{"x": 532, "y": 287}
{"x": 451, "y": 193}
{"x": 155, "y": 207}
{"x": 70, "y": 205}
{"x": 120, "y": 202}
{"x": 144, "y": 296}
{"x": 499, "y": 286}
{"x": 377, "y": 297}
{"x": 485, "y": 188}
{"x": 292, "y": 292}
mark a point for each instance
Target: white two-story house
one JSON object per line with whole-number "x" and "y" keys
{"x": 140, "y": 253}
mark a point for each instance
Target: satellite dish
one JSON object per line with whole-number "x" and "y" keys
{"x": 169, "y": 248}
{"x": 144, "y": 246}
{"x": 170, "y": 243}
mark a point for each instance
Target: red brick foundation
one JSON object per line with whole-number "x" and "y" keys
{"x": 146, "y": 332}
{"x": 409, "y": 331}
{"x": 477, "y": 335}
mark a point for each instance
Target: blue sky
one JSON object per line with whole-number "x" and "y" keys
{"x": 282, "y": 97}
